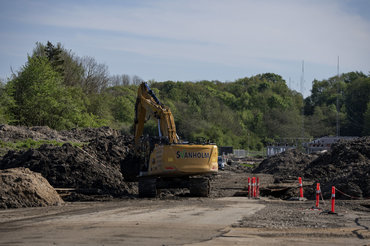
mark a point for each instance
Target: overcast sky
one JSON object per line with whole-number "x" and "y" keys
{"x": 192, "y": 40}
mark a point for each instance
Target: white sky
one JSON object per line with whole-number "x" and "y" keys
{"x": 191, "y": 40}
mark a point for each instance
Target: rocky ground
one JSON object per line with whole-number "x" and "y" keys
{"x": 298, "y": 214}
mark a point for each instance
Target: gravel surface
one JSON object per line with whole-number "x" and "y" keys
{"x": 280, "y": 214}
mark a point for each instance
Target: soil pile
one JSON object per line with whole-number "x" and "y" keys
{"x": 20, "y": 187}
{"x": 111, "y": 149}
{"x": 286, "y": 165}
{"x": 92, "y": 170}
{"x": 346, "y": 166}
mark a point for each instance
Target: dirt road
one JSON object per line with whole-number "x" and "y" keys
{"x": 186, "y": 221}
{"x": 131, "y": 222}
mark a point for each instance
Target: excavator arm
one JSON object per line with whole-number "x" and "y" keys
{"x": 147, "y": 105}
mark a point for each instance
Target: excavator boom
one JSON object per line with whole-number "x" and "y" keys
{"x": 147, "y": 104}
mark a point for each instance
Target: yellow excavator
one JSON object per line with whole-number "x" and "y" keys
{"x": 168, "y": 162}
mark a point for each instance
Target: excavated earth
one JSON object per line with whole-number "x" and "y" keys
{"x": 346, "y": 166}
{"x": 90, "y": 172}
{"x": 20, "y": 187}
{"x": 94, "y": 172}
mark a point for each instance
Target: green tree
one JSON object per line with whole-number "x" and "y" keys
{"x": 54, "y": 55}
{"x": 41, "y": 99}
{"x": 86, "y": 73}
{"x": 5, "y": 103}
{"x": 357, "y": 98}
{"x": 366, "y": 131}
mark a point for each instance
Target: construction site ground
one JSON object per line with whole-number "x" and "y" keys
{"x": 101, "y": 208}
{"x": 181, "y": 220}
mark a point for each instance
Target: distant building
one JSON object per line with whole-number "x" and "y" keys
{"x": 279, "y": 148}
{"x": 323, "y": 143}
{"x": 316, "y": 145}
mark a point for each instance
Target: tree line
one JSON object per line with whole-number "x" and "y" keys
{"x": 61, "y": 90}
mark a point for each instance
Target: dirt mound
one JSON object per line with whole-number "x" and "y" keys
{"x": 93, "y": 169}
{"x": 112, "y": 149}
{"x": 20, "y": 187}
{"x": 346, "y": 166}
{"x": 10, "y": 133}
{"x": 286, "y": 165}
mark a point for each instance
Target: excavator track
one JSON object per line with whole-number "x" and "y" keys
{"x": 147, "y": 187}
{"x": 199, "y": 187}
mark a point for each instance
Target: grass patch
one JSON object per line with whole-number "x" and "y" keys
{"x": 31, "y": 143}
{"x": 247, "y": 165}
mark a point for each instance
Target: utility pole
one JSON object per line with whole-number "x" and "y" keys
{"x": 338, "y": 90}
{"x": 302, "y": 88}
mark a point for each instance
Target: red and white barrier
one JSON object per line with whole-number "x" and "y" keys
{"x": 300, "y": 187}
{"x": 333, "y": 199}
{"x": 258, "y": 188}
{"x": 254, "y": 187}
{"x": 318, "y": 191}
